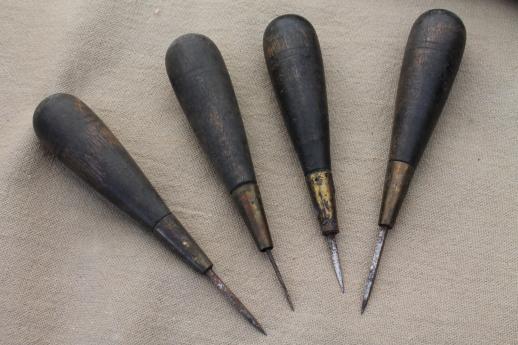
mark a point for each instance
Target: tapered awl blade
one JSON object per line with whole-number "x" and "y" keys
{"x": 279, "y": 278}
{"x": 234, "y": 301}
{"x": 335, "y": 259}
{"x": 373, "y": 270}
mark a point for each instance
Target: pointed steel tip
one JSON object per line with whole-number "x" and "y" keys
{"x": 342, "y": 285}
{"x": 373, "y": 269}
{"x": 279, "y": 278}
{"x": 364, "y": 305}
{"x": 260, "y": 329}
{"x": 233, "y": 300}
{"x": 258, "y": 326}
{"x": 335, "y": 258}
{"x": 290, "y": 303}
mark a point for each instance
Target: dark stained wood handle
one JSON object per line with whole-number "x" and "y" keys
{"x": 74, "y": 133}
{"x": 432, "y": 57}
{"x": 203, "y": 87}
{"x": 294, "y": 62}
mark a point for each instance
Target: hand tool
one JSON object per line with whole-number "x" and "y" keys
{"x": 432, "y": 58}
{"x": 203, "y": 87}
{"x": 294, "y": 62}
{"x": 73, "y": 132}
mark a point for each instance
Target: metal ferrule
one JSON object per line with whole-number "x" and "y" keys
{"x": 248, "y": 200}
{"x": 322, "y": 190}
{"x": 397, "y": 180}
{"x": 172, "y": 233}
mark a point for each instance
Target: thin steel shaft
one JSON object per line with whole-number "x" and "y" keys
{"x": 234, "y": 301}
{"x": 279, "y": 278}
{"x": 373, "y": 270}
{"x": 335, "y": 259}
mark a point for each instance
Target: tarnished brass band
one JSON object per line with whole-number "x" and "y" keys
{"x": 250, "y": 205}
{"x": 398, "y": 177}
{"x": 322, "y": 190}
{"x": 171, "y": 232}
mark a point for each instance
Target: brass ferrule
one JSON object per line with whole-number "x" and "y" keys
{"x": 398, "y": 177}
{"x": 172, "y": 233}
{"x": 322, "y": 190}
{"x": 250, "y": 205}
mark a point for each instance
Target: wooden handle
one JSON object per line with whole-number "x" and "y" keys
{"x": 201, "y": 82}
{"x": 203, "y": 87}
{"x": 432, "y": 57}
{"x": 74, "y": 133}
{"x": 294, "y": 62}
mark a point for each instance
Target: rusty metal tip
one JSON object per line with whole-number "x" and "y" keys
{"x": 279, "y": 278}
{"x": 335, "y": 259}
{"x": 233, "y": 300}
{"x": 373, "y": 270}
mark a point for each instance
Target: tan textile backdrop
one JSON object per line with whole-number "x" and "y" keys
{"x": 75, "y": 270}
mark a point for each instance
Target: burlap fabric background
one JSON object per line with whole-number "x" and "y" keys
{"x": 75, "y": 270}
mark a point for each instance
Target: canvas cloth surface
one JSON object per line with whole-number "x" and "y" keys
{"x": 75, "y": 270}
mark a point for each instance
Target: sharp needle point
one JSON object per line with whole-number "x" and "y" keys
{"x": 233, "y": 300}
{"x": 364, "y": 305}
{"x": 374, "y": 267}
{"x": 279, "y": 278}
{"x": 335, "y": 258}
